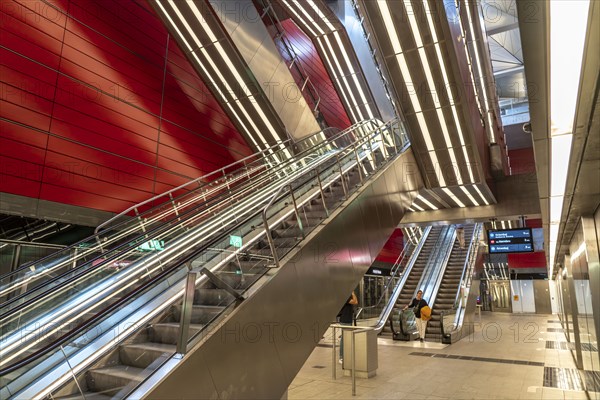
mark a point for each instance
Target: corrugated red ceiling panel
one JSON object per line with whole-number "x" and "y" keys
{"x": 95, "y": 115}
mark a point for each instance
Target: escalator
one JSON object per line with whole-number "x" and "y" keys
{"x": 447, "y": 293}
{"x": 322, "y": 227}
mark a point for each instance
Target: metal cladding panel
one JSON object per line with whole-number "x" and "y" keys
{"x": 258, "y": 350}
{"x": 250, "y": 36}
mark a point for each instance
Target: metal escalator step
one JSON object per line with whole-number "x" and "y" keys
{"x": 110, "y": 380}
{"x": 200, "y": 314}
{"x": 87, "y": 396}
{"x": 142, "y": 355}
{"x": 168, "y": 332}
{"x": 212, "y": 297}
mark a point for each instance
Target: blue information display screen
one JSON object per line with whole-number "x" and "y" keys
{"x": 510, "y": 241}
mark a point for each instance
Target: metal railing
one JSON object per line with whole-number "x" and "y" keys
{"x": 153, "y": 276}
{"x": 449, "y": 324}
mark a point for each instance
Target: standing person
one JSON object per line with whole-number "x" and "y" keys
{"x": 346, "y": 317}
{"x": 460, "y": 235}
{"x": 418, "y": 303}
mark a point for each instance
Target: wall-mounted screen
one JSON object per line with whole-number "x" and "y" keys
{"x": 510, "y": 241}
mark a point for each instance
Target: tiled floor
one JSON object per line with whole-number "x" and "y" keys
{"x": 509, "y": 360}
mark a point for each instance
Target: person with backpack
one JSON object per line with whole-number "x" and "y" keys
{"x": 418, "y": 303}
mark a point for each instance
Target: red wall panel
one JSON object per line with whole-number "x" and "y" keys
{"x": 331, "y": 106}
{"x": 392, "y": 248}
{"x": 522, "y": 161}
{"x": 527, "y": 260}
{"x": 94, "y": 114}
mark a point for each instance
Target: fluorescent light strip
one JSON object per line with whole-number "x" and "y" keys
{"x": 417, "y": 207}
{"x": 567, "y": 41}
{"x": 309, "y": 17}
{"x": 457, "y": 123}
{"x": 427, "y": 202}
{"x": 236, "y": 75}
{"x": 485, "y": 201}
{"x": 341, "y": 89}
{"x": 354, "y": 104}
{"x": 359, "y": 87}
{"x": 502, "y": 222}
{"x": 465, "y": 191}
{"x": 392, "y": 34}
{"x": 568, "y": 26}
{"x": 432, "y": 89}
{"x": 306, "y": 24}
{"x": 481, "y": 80}
{"x": 320, "y": 14}
{"x": 453, "y": 197}
{"x": 182, "y": 37}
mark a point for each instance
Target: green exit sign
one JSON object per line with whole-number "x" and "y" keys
{"x": 152, "y": 245}
{"x": 235, "y": 241}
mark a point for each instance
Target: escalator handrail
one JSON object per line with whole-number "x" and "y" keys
{"x": 93, "y": 237}
{"x": 84, "y": 271}
{"x": 474, "y": 236}
{"x": 395, "y": 268}
{"x": 222, "y": 170}
{"x": 101, "y": 314}
{"x": 449, "y": 245}
{"x": 326, "y": 142}
{"x": 149, "y": 234}
{"x": 385, "y": 313}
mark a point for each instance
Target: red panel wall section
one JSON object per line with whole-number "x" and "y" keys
{"x": 330, "y": 106}
{"x": 527, "y": 260}
{"x": 522, "y": 161}
{"x": 94, "y": 115}
{"x": 392, "y": 248}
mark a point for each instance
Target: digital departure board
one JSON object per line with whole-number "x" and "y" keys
{"x": 510, "y": 241}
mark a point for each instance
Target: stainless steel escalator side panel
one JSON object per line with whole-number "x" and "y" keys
{"x": 258, "y": 350}
{"x": 385, "y": 314}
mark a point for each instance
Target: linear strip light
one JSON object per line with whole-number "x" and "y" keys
{"x": 453, "y": 197}
{"x": 320, "y": 14}
{"x": 353, "y": 72}
{"x": 469, "y": 195}
{"x": 331, "y": 68}
{"x": 486, "y": 102}
{"x": 343, "y": 77}
{"x": 457, "y": 123}
{"x": 429, "y": 204}
{"x": 310, "y": 19}
{"x": 203, "y": 22}
{"x": 485, "y": 200}
{"x": 207, "y": 74}
{"x": 568, "y": 27}
{"x": 432, "y": 89}
{"x": 393, "y": 36}
{"x": 300, "y": 18}
{"x": 417, "y": 207}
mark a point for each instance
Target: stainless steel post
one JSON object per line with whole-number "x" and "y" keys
{"x": 333, "y": 357}
{"x": 270, "y": 238}
{"x": 186, "y": 312}
{"x": 342, "y": 176}
{"x": 296, "y": 211}
{"x": 353, "y": 370}
{"x": 322, "y": 192}
{"x": 16, "y": 258}
{"x": 358, "y": 164}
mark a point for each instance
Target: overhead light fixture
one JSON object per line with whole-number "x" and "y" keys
{"x": 427, "y": 202}
{"x": 568, "y": 28}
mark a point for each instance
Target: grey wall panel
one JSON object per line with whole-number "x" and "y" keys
{"x": 542, "y": 297}
{"x": 357, "y": 38}
{"x": 50, "y": 210}
{"x": 249, "y": 34}
{"x": 298, "y": 302}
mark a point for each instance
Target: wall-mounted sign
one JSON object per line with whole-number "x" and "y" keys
{"x": 235, "y": 241}
{"x": 510, "y": 241}
{"x": 152, "y": 245}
